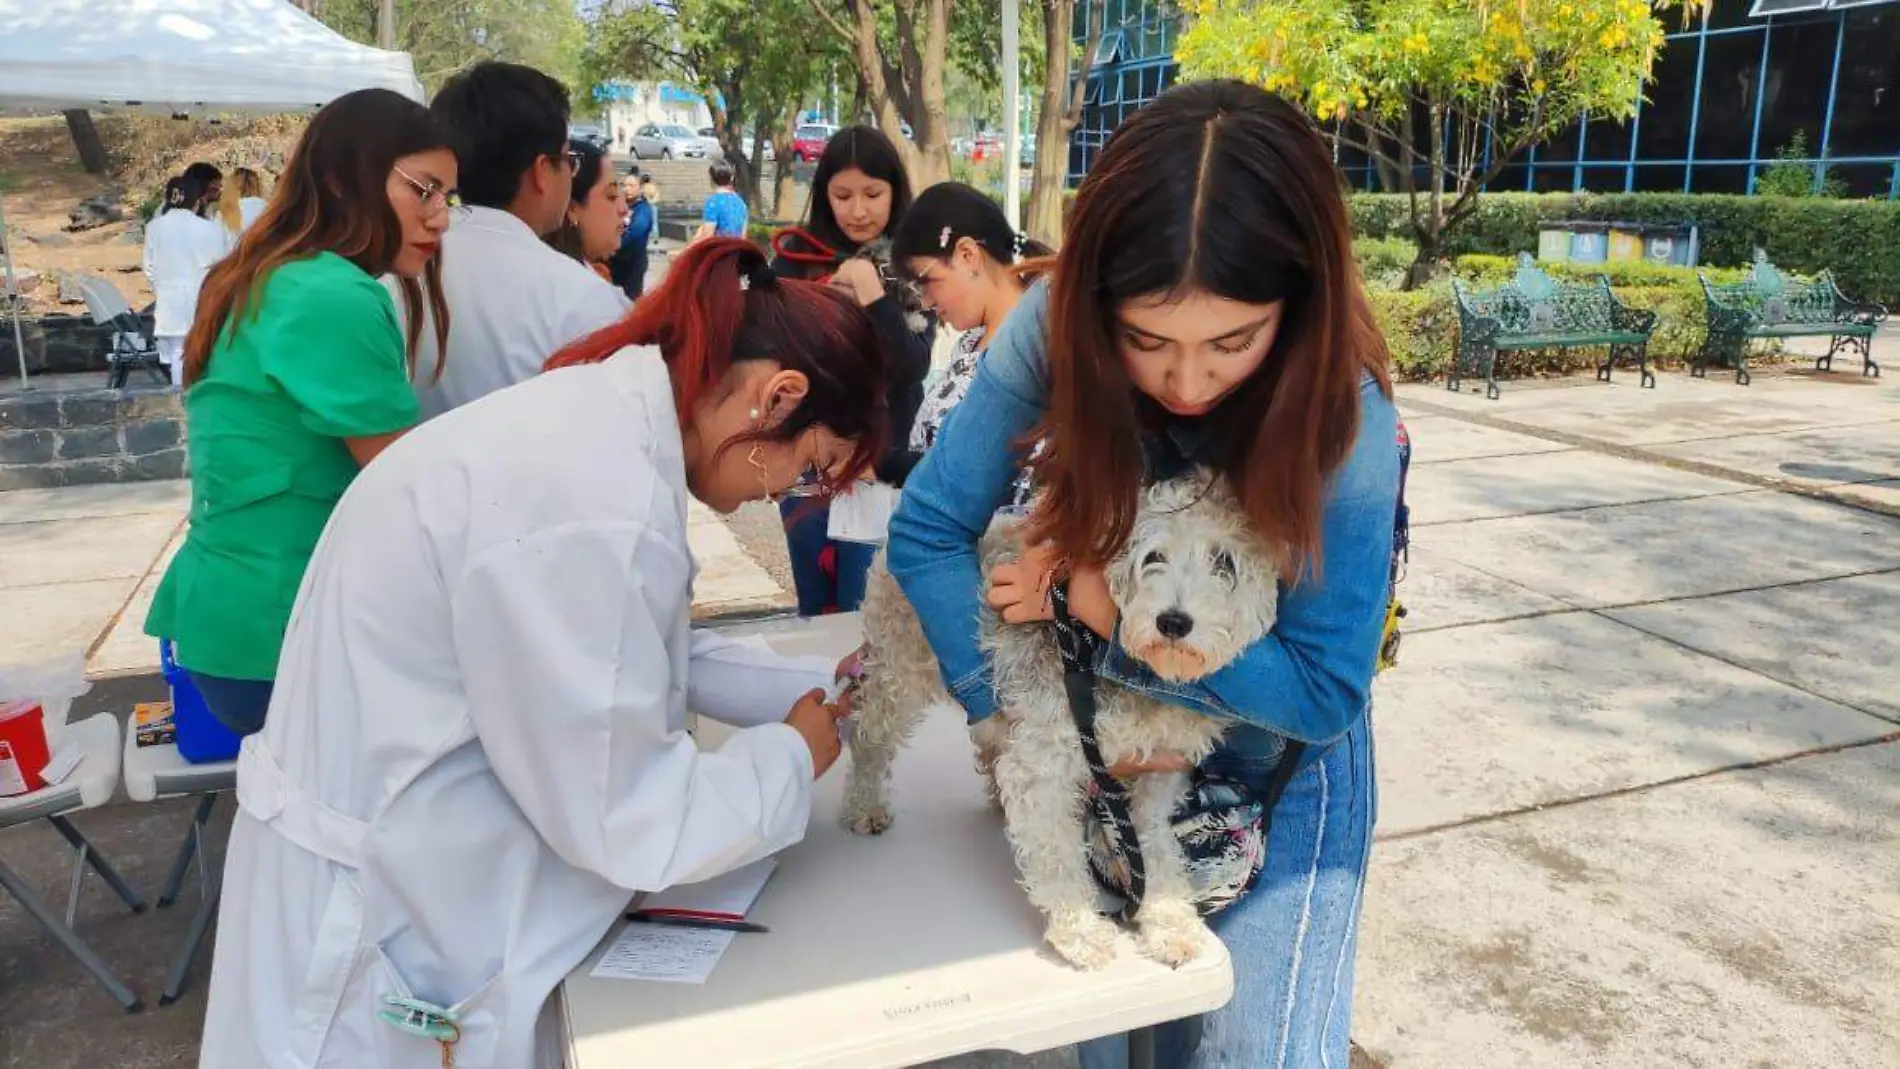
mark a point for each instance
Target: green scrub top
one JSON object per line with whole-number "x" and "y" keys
{"x": 318, "y": 358}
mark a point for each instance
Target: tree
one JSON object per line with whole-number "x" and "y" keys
{"x": 444, "y": 36}
{"x": 737, "y": 53}
{"x": 1061, "y": 109}
{"x": 1442, "y": 94}
{"x": 1792, "y": 175}
{"x": 900, "y": 47}
{"x": 92, "y": 151}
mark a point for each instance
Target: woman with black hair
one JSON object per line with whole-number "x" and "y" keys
{"x": 596, "y": 211}
{"x": 859, "y": 196}
{"x": 180, "y": 247}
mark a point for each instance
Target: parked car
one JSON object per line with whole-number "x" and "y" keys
{"x": 745, "y": 139}
{"x": 808, "y": 141}
{"x": 667, "y": 141}
{"x": 589, "y": 133}
{"x": 714, "y": 150}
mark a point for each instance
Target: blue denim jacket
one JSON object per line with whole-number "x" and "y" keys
{"x": 1309, "y": 679}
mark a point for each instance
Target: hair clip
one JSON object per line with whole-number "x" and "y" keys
{"x": 745, "y": 282}
{"x": 1016, "y": 246}
{"x": 943, "y": 239}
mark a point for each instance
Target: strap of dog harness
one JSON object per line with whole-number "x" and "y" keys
{"x": 1079, "y": 647}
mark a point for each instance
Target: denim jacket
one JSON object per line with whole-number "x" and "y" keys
{"x": 1310, "y": 678}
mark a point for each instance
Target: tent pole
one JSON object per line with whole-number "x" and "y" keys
{"x": 13, "y": 291}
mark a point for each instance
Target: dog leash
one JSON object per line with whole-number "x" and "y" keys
{"x": 1079, "y": 647}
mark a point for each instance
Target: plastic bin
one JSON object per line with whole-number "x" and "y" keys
{"x": 1673, "y": 245}
{"x": 23, "y": 747}
{"x": 1553, "y": 242}
{"x": 200, "y": 737}
{"x": 1589, "y": 243}
{"x": 1626, "y": 242}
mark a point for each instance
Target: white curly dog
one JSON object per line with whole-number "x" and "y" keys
{"x": 1195, "y": 586}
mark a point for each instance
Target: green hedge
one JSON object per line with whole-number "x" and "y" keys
{"x": 1859, "y": 240}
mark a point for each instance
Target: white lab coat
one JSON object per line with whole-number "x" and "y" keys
{"x": 513, "y": 302}
{"x": 476, "y": 751}
{"x": 249, "y": 209}
{"x": 180, "y": 247}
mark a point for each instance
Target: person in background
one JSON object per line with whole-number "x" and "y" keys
{"x": 181, "y": 245}
{"x": 239, "y": 212}
{"x": 860, "y": 194}
{"x": 480, "y": 748}
{"x": 514, "y": 299}
{"x": 957, "y": 247}
{"x": 725, "y": 212}
{"x": 596, "y": 212}
{"x": 629, "y": 262}
{"x": 299, "y": 376}
{"x": 1205, "y": 312}
{"x": 212, "y": 179}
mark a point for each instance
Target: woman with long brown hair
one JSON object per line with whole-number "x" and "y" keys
{"x": 298, "y": 375}
{"x": 1205, "y": 312}
{"x": 479, "y": 747}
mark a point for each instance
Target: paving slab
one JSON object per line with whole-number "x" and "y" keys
{"x": 64, "y": 551}
{"x": 1839, "y": 638}
{"x": 1439, "y": 592}
{"x": 87, "y": 502}
{"x": 1857, "y": 453}
{"x": 56, "y": 619}
{"x": 1551, "y": 482}
{"x": 1497, "y": 717}
{"x": 1745, "y": 921}
{"x": 1673, "y": 549}
{"x": 1882, "y": 494}
{"x": 1442, "y": 438}
{"x": 125, "y": 648}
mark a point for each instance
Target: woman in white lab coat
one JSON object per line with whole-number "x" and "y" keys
{"x": 476, "y": 752}
{"x": 180, "y": 247}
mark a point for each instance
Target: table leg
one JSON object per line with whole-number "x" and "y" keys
{"x": 1141, "y": 1048}
{"x": 13, "y": 885}
{"x": 183, "y": 862}
{"x": 200, "y": 924}
{"x": 100, "y": 865}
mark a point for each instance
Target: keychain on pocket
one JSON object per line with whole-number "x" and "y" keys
{"x": 425, "y": 1019}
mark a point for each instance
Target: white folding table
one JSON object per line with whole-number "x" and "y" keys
{"x": 154, "y": 772}
{"x": 883, "y": 952}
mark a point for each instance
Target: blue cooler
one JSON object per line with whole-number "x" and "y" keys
{"x": 200, "y": 738}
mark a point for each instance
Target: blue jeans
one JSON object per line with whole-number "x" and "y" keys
{"x": 238, "y": 704}
{"x": 806, "y": 522}
{"x": 1292, "y": 938}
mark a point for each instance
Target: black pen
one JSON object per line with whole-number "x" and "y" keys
{"x": 708, "y": 923}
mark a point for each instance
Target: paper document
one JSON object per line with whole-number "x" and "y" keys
{"x": 669, "y": 955}
{"x": 862, "y": 514}
{"x": 727, "y": 897}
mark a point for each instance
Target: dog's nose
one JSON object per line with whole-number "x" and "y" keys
{"x": 1174, "y": 624}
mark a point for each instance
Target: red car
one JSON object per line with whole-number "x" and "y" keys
{"x": 808, "y": 141}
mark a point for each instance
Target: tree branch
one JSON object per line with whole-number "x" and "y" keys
{"x": 831, "y": 19}
{"x": 1078, "y": 85}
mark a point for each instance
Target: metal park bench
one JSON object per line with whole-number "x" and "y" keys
{"x": 1535, "y": 311}
{"x": 1770, "y": 304}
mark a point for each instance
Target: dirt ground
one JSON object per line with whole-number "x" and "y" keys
{"x": 42, "y": 181}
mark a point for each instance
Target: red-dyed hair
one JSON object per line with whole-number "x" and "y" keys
{"x": 721, "y": 305}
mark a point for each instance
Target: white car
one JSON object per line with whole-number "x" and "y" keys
{"x": 667, "y": 141}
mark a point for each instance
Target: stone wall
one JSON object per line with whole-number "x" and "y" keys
{"x": 54, "y": 438}
{"x": 58, "y": 345}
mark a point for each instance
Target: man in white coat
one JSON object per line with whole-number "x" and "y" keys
{"x": 512, "y": 300}
{"x": 181, "y": 247}
{"x": 476, "y": 749}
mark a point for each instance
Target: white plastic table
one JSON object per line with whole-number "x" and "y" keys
{"x": 885, "y": 951}
{"x": 154, "y": 772}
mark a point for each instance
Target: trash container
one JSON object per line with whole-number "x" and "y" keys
{"x": 1626, "y": 242}
{"x": 1675, "y": 245}
{"x": 1589, "y": 243}
{"x": 1553, "y": 242}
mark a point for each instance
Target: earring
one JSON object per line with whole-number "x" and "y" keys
{"x": 756, "y": 458}
{"x": 972, "y": 274}
{"x": 753, "y": 415}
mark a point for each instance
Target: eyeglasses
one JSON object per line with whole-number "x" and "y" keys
{"x": 574, "y": 161}
{"x": 434, "y": 199}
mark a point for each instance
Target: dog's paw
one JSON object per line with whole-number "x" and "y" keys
{"x": 872, "y": 820}
{"x": 1172, "y": 933}
{"x": 1085, "y": 940}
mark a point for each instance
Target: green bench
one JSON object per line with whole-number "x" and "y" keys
{"x": 1535, "y": 311}
{"x": 1770, "y": 304}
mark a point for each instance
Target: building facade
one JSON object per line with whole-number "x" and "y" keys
{"x": 1728, "y": 99}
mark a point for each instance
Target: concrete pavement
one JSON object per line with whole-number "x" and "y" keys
{"x": 1639, "y": 768}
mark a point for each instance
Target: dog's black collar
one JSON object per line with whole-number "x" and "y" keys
{"x": 1079, "y": 647}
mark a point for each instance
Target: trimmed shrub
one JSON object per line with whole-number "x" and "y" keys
{"x": 1859, "y": 240}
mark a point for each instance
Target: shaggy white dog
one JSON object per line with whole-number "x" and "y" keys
{"x": 1195, "y": 586}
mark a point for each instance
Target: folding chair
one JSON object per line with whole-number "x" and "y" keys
{"x": 132, "y": 346}
{"x": 154, "y": 772}
{"x": 90, "y": 785}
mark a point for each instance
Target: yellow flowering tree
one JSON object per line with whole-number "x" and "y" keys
{"x": 1440, "y": 94}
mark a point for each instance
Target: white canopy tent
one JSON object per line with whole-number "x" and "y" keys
{"x": 179, "y": 57}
